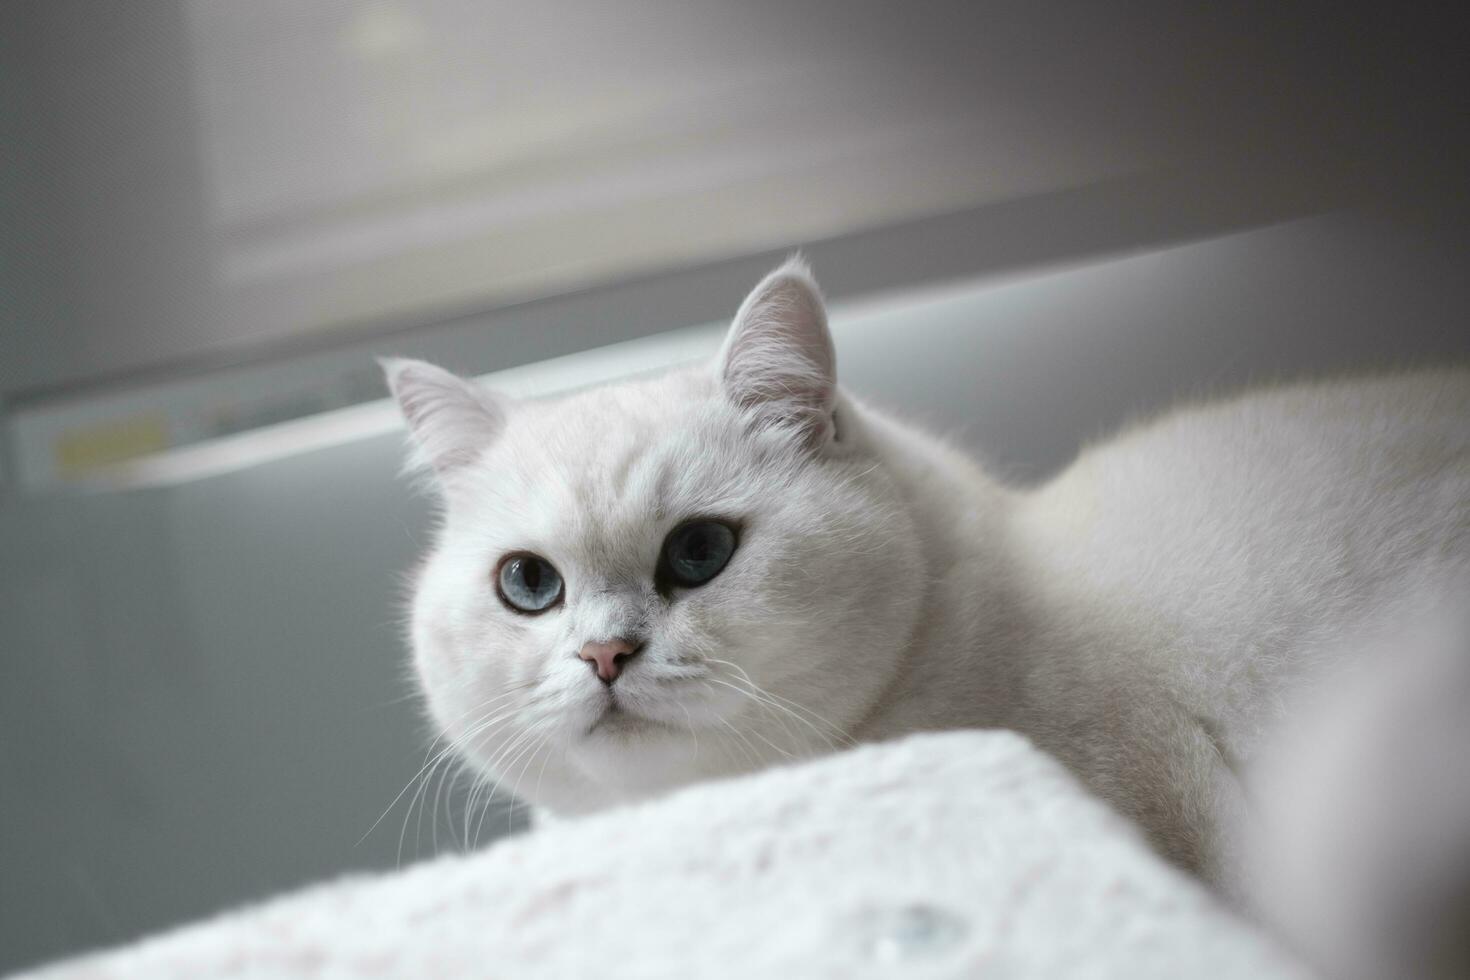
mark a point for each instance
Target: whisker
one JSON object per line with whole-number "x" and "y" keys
{"x": 429, "y": 764}
{"x": 752, "y": 756}
{"x": 842, "y": 736}
{"x": 543, "y": 771}
{"x": 692, "y": 733}
{"x": 757, "y": 701}
{"x": 515, "y": 790}
{"x": 501, "y": 761}
{"x": 528, "y": 752}
{"x": 403, "y": 830}
{"x": 777, "y": 710}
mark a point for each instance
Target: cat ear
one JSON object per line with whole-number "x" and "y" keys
{"x": 451, "y": 419}
{"x": 778, "y": 356}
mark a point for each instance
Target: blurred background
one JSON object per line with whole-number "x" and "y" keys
{"x": 1033, "y": 221}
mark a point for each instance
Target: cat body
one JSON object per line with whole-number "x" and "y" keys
{"x": 1146, "y": 616}
{"x": 1152, "y": 612}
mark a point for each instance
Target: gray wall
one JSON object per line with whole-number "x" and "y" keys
{"x": 112, "y": 215}
{"x": 200, "y": 694}
{"x": 201, "y": 687}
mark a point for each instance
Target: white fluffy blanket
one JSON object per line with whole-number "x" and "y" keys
{"x": 962, "y": 854}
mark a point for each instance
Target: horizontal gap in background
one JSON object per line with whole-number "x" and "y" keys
{"x": 66, "y": 437}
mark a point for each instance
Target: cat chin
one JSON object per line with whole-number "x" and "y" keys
{"x": 638, "y": 756}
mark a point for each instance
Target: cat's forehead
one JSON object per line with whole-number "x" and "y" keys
{"x": 603, "y": 466}
{"x": 605, "y": 443}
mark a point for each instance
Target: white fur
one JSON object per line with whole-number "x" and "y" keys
{"x": 1144, "y": 616}
{"x": 814, "y": 871}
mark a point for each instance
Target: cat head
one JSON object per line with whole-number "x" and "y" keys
{"x": 647, "y": 583}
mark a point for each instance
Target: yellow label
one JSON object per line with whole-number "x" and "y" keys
{"x": 81, "y": 451}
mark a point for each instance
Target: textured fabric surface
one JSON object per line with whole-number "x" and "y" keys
{"x": 961, "y": 854}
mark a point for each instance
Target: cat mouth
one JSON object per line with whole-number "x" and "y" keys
{"x": 616, "y": 719}
{"x": 613, "y": 721}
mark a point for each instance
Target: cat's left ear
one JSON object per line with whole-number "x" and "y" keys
{"x": 778, "y": 356}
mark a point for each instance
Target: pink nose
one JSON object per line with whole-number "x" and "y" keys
{"x": 607, "y": 657}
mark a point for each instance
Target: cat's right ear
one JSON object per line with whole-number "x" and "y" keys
{"x": 778, "y": 357}
{"x": 452, "y": 420}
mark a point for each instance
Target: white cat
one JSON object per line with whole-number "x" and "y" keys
{"x": 651, "y": 583}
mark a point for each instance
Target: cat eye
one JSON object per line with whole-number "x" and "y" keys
{"x": 527, "y": 583}
{"x": 696, "y": 552}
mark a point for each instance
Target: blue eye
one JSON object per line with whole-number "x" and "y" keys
{"x": 528, "y": 583}
{"x": 697, "y": 552}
